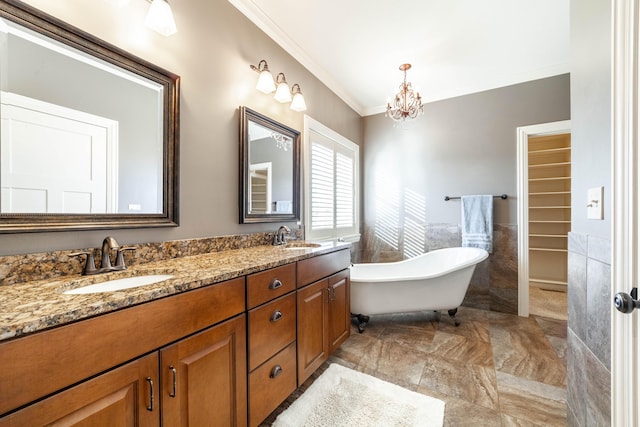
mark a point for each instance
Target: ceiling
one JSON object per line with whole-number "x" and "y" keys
{"x": 456, "y": 47}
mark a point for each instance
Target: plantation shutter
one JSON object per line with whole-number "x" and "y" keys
{"x": 332, "y": 189}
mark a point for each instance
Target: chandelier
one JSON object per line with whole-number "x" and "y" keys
{"x": 282, "y": 142}
{"x": 406, "y": 104}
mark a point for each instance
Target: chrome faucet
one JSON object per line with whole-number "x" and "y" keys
{"x": 280, "y": 237}
{"x": 108, "y": 244}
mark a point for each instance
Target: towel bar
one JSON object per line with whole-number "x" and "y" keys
{"x": 447, "y": 198}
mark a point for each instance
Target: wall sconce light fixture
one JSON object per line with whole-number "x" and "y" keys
{"x": 297, "y": 104}
{"x": 160, "y": 18}
{"x": 266, "y": 84}
{"x": 283, "y": 94}
{"x": 265, "y": 80}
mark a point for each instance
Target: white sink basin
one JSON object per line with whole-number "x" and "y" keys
{"x": 119, "y": 284}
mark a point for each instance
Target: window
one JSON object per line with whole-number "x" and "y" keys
{"x": 331, "y": 190}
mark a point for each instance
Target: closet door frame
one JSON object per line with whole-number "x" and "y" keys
{"x": 523, "y": 134}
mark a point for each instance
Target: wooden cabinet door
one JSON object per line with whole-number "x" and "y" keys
{"x": 125, "y": 396}
{"x": 204, "y": 378}
{"x": 339, "y": 310}
{"x": 313, "y": 320}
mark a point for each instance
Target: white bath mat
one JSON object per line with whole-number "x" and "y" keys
{"x": 344, "y": 397}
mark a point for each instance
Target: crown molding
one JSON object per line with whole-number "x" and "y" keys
{"x": 249, "y": 9}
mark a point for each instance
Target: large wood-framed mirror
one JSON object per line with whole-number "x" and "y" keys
{"x": 90, "y": 133}
{"x": 269, "y": 169}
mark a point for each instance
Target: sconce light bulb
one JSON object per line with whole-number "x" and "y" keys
{"x": 298, "y": 104}
{"x": 283, "y": 94}
{"x": 160, "y": 18}
{"x": 265, "y": 82}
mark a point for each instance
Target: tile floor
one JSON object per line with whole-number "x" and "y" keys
{"x": 547, "y": 303}
{"x": 494, "y": 369}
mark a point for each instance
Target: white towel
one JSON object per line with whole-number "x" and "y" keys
{"x": 477, "y": 222}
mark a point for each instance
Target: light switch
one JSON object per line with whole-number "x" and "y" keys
{"x": 594, "y": 203}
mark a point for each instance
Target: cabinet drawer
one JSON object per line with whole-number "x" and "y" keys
{"x": 270, "y": 284}
{"x": 271, "y": 327}
{"x": 321, "y": 266}
{"x": 271, "y": 383}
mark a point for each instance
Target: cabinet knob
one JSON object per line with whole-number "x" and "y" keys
{"x": 277, "y": 370}
{"x": 275, "y": 284}
{"x": 275, "y": 316}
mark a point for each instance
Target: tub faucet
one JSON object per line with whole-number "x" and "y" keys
{"x": 280, "y": 237}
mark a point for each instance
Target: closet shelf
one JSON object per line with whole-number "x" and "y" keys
{"x": 550, "y": 165}
{"x": 564, "y": 236}
{"x": 550, "y": 222}
{"x": 547, "y": 250}
{"x": 549, "y": 193}
{"x": 555, "y": 178}
{"x": 550, "y": 150}
{"x": 551, "y": 282}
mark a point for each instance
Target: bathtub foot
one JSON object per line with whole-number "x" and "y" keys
{"x": 362, "y": 321}
{"x": 452, "y": 314}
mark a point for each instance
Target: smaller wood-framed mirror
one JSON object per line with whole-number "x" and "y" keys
{"x": 269, "y": 169}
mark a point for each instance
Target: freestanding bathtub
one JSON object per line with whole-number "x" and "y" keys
{"x": 436, "y": 280}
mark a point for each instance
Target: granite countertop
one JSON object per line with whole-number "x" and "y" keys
{"x": 33, "y": 306}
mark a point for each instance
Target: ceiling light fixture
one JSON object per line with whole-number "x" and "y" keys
{"x": 265, "y": 80}
{"x": 283, "y": 94}
{"x": 160, "y": 18}
{"x": 407, "y": 104}
{"x": 297, "y": 104}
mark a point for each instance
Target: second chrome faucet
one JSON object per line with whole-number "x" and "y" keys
{"x": 280, "y": 237}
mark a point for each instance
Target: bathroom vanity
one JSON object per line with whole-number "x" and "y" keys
{"x": 227, "y": 338}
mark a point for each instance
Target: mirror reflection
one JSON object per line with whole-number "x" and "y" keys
{"x": 74, "y": 146}
{"x": 89, "y": 133}
{"x": 270, "y": 169}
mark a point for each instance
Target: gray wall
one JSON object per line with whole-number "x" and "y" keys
{"x": 462, "y": 145}
{"x": 590, "y": 299}
{"x": 211, "y": 52}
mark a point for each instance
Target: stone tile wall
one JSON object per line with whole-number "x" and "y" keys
{"x": 494, "y": 285}
{"x": 589, "y": 325}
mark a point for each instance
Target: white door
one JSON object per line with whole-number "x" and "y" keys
{"x": 625, "y": 360}
{"x": 55, "y": 160}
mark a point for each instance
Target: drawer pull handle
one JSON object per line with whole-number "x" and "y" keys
{"x": 150, "y": 407}
{"x": 175, "y": 375}
{"x": 277, "y": 370}
{"x": 275, "y": 284}
{"x": 275, "y": 316}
